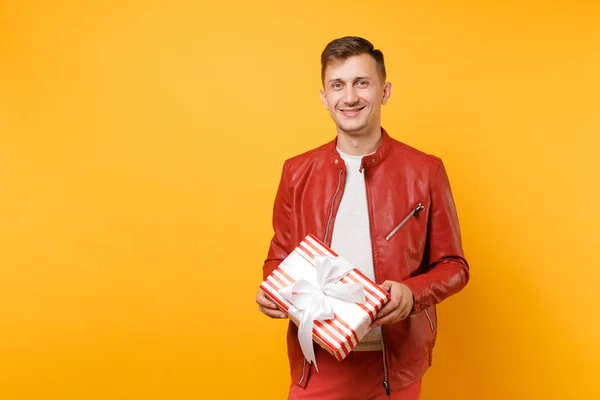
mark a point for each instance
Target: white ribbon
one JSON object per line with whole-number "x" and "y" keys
{"x": 313, "y": 300}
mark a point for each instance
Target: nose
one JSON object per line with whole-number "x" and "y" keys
{"x": 350, "y": 96}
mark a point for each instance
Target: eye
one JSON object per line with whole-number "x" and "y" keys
{"x": 362, "y": 83}
{"x": 336, "y": 85}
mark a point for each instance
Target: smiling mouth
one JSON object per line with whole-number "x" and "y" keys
{"x": 350, "y": 112}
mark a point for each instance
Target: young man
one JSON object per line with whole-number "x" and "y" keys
{"x": 389, "y": 210}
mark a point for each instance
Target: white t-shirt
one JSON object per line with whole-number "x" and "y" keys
{"x": 351, "y": 233}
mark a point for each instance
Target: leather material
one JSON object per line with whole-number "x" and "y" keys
{"x": 424, "y": 252}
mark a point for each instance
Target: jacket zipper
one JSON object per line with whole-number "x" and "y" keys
{"x": 303, "y": 370}
{"x": 337, "y": 190}
{"x": 386, "y": 384}
{"x": 418, "y": 208}
{"x": 429, "y": 318}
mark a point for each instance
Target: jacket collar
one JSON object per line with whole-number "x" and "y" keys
{"x": 368, "y": 161}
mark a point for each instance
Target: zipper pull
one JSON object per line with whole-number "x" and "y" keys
{"x": 420, "y": 207}
{"x": 387, "y": 388}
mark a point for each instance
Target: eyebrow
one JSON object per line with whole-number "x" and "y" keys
{"x": 358, "y": 78}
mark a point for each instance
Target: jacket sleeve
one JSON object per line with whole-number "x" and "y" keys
{"x": 448, "y": 269}
{"x": 280, "y": 245}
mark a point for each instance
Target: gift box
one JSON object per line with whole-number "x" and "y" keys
{"x": 331, "y": 301}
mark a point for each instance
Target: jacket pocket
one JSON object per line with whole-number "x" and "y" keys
{"x": 428, "y": 318}
{"x": 418, "y": 208}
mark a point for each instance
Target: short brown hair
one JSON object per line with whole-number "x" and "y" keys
{"x": 348, "y": 46}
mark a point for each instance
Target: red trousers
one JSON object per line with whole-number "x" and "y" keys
{"x": 359, "y": 376}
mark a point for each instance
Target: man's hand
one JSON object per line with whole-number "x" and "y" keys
{"x": 399, "y": 306}
{"x": 268, "y": 307}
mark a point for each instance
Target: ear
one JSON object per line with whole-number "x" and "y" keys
{"x": 324, "y": 99}
{"x": 387, "y": 92}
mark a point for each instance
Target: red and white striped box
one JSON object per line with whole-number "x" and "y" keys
{"x": 352, "y": 321}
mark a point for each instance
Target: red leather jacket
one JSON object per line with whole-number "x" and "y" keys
{"x": 414, "y": 232}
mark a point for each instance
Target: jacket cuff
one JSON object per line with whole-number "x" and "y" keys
{"x": 419, "y": 299}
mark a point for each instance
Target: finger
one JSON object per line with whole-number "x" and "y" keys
{"x": 391, "y": 317}
{"x": 403, "y": 315}
{"x": 265, "y": 301}
{"x": 404, "y": 310}
{"x": 388, "y": 307}
{"x": 408, "y": 309}
{"x": 387, "y": 285}
{"x": 273, "y": 313}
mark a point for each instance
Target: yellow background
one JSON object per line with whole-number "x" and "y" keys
{"x": 141, "y": 143}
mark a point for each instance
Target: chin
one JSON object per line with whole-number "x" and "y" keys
{"x": 352, "y": 129}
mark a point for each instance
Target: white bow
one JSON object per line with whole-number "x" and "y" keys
{"x": 313, "y": 300}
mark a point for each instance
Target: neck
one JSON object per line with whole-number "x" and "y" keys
{"x": 358, "y": 144}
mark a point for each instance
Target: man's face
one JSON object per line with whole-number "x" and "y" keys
{"x": 353, "y": 92}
